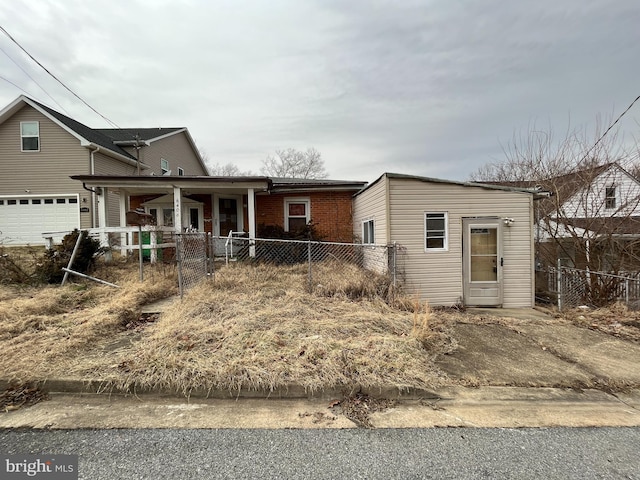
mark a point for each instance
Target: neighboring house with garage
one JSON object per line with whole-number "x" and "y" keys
{"x": 460, "y": 243}
{"x": 40, "y": 149}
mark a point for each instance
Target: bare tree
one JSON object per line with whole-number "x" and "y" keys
{"x": 227, "y": 170}
{"x": 591, "y": 220}
{"x": 292, "y": 163}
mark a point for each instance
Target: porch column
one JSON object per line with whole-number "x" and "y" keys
{"x": 177, "y": 209}
{"x": 251, "y": 207}
{"x": 123, "y": 222}
{"x": 103, "y": 215}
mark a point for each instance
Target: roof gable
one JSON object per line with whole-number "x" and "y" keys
{"x": 85, "y": 135}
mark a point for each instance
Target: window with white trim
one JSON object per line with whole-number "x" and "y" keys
{"x": 180, "y": 172}
{"x": 164, "y": 166}
{"x": 30, "y": 136}
{"x": 368, "y": 232}
{"x": 610, "y": 197}
{"x": 435, "y": 231}
{"x": 296, "y": 214}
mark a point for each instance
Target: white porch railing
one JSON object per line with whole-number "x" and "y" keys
{"x": 228, "y": 245}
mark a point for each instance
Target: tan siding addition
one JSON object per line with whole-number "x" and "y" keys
{"x": 372, "y": 205}
{"x": 437, "y": 275}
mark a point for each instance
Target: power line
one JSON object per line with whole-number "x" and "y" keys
{"x": 56, "y": 78}
{"x": 607, "y": 130}
{"x": 16, "y": 85}
{"x": 32, "y": 79}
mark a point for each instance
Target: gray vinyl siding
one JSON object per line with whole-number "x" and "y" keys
{"x": 46, "y": 171}
{"x": 177, "y": 150}
{"x": 372, "y": 204}
{"x": 105, "y": 165}
{"x": 436, "y": 276}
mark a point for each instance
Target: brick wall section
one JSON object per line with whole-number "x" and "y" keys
{"x": 331, "y": 212}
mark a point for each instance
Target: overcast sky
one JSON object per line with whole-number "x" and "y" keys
{"x": 431, "y": 88}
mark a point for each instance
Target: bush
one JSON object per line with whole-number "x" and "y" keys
{"x": 308, "y": 232}
{"x": 58, "y": 257}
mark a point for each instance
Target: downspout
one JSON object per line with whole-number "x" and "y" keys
{"x": 92, "y": 171}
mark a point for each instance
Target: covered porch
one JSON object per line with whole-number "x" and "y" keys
{"x": 220, "y": 206}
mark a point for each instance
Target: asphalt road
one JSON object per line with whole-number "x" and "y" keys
{"x": 562, "y": 453}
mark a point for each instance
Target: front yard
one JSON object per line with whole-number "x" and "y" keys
{"x": 250, "y": 328}
{"x": 259, "y": 328}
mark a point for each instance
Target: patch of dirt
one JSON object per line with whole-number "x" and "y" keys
{"x": 359, "y": 407}
{"x": 141, "y": 322}
{"x": 17, "y": 396}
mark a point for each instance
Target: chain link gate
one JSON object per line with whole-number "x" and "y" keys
{"x": 193, "y": 261}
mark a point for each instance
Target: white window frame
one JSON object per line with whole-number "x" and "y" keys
{"x": 22, "y": 136}
{"x": 180, "y": 172}
{"x": 164, "y": 166}
{"x": 368, "y": 231}
{"x": 610, "y": 198}
{"x": 288, "y": 201}
{"x": 445, "y": 247}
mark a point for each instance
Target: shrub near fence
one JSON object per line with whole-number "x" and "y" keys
{"x": 575, "y": 287}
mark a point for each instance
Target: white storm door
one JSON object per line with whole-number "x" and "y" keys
{"x": 482, "y": 262}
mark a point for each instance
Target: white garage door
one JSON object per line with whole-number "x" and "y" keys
{"x": 24, "y": 219}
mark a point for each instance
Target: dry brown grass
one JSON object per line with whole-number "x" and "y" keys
{"x": 258, "y": 328}
{"x": 254, "y": 327}
{"x": 55, "y": 331}
{"x": 617, "y": 320}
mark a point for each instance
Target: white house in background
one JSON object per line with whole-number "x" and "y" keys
{"x": 590, "y": 215}
{"x": 462, "y": 243}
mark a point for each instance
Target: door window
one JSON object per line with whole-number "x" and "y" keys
{"x": 228, "y": 213}
{"x": 194, "y": 218}
{"x": 484, "y": 254}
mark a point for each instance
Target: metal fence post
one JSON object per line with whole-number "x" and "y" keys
{"x": 73, "y": 257}
{"x": 559, "y": 283}
{"x": 309, "y": 256}
{"x": 626, "y": 291}
{"x": 395, "y": 265}
{"x": 210, "y": 255}
{"x": 179, "y": 262}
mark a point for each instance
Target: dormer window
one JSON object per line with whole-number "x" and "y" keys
{"x": 30, "y": 136}
{"x": 610, "y": 197}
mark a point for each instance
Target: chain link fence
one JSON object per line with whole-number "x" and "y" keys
{"x": 574, "y": 287}
{"x": 196, "y": 252}
{"x": 193, "y": 259}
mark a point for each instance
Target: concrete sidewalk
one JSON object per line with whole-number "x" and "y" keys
{"x": 500, "y": 407}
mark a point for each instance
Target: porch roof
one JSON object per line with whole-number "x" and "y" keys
{"x": 194, "y": 184}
